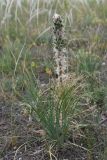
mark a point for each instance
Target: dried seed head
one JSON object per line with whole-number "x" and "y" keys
{"x": 56, "y": 16}
{"x": 59, "y": 48}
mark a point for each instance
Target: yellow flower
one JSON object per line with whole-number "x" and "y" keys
{"x": 33, "y": 64}
{"x": 48, "y": 71}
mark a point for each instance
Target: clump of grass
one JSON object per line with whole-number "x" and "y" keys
{"x": 57, "y": 108}
{"x": 87, "y": 63}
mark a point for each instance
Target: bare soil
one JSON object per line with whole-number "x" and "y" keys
{"x": 20, "y": 140}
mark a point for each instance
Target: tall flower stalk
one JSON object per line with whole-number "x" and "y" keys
{"x": 59, "y": 49}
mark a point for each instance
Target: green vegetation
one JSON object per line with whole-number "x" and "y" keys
{"x": 69, "y": 114}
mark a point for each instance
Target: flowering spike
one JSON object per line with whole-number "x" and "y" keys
{"x": 59, "y": 48}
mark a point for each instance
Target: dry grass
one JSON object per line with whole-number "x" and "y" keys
{"x": 66, "y": 118}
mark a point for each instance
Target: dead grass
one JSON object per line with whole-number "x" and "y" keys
{"x": 28, "y": 82}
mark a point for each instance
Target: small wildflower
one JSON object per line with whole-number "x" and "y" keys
{"x": 48, "y": 71}
{"x": 33, "y": 64}
{"x": 32, "y": 45}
